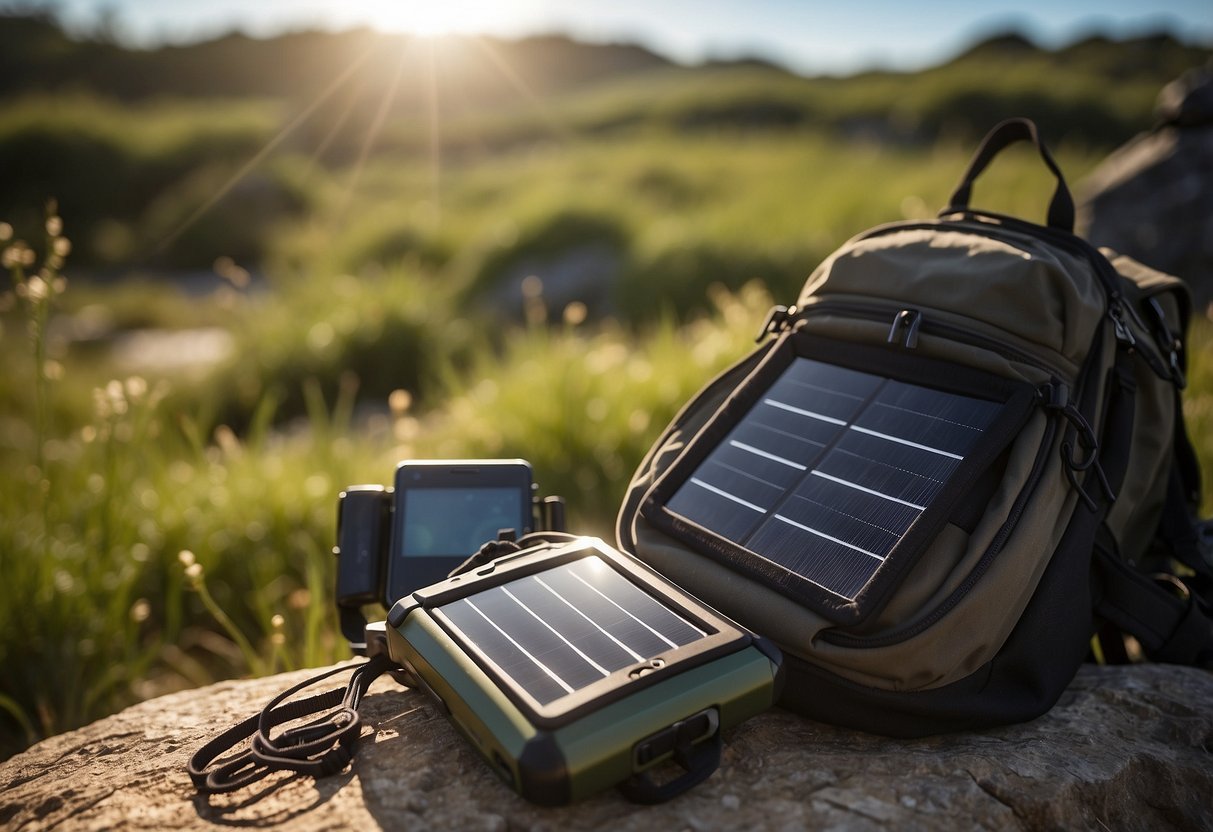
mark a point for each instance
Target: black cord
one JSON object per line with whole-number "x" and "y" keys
{"x": 319, "y": 748}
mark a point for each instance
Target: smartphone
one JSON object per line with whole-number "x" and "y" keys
{"x": 573, "y": 668}
{"x": 445, "y": 510}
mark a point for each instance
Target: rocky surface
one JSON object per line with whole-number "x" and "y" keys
{"x": 1125, "y": 748}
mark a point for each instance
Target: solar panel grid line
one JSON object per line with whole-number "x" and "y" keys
{"x": 872, "y": 491}
{"x": 799, "y": 411}
{"x": 929, "y": 416}
{"x": 625, "y": 612}
{"x": 767, "y": 455}
{"x": 835, "y": 569}
{"x": 787, "y": 434}
{"x": 540, "y": 665}
{"x": 636, "y": 656}
{"x": 917, "y": 474}
{"x": 556, "y": 633}
{"x": 857, "y": 519}
{"x": 879, "y": 538}
{"x": 747, "y": 474}
{"x": 908, "y": 442}
{"x": 830, "y": 538}
{"x": 817, "y": 387}
{"x": 728, "y": 496}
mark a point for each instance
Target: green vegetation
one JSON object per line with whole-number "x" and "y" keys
{"x": 549, "y": 269}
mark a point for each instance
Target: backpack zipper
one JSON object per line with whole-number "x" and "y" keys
{"x": 907, "y": 323}
{"x": 1121, "y": 313}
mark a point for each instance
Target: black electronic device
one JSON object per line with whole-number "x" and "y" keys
{"x": 444, "y": 510}
{"x": 394, "y": 540}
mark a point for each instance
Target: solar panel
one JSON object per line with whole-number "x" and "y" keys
{"x": 558, "y": 631}
{"x": 829, "y": 469}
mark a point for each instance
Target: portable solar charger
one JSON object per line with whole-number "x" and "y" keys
{"x": 572, "y": 668}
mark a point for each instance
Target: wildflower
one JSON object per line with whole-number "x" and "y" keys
{"x": 399, "y": 402}
{"x": 141, "y": 610}
{"x": 575, "y": 313}
{"x": 277, "y": 638}
{"x": 227, "y": 440}
{"x": 16, "y": 255}
{"x": 36, "y": 288}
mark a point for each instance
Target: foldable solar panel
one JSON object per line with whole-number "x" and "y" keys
{"x": 572, "y": 667}
{"x": 819, "y": 474}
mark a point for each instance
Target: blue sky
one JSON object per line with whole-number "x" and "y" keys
{"x": 840, "y": 36}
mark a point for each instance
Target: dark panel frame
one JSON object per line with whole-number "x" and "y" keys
{"x": 892, "y": 362}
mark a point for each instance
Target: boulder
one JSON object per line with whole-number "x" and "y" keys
{"x": 1152, "y": 199}
{"x": 1125, "y": 748}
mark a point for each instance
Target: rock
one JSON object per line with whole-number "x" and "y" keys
{"x": 1153, "y": 198}
{"x": 1125, "y": 748}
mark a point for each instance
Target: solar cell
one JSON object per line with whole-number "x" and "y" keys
{"x": 558, "y": 631}
{"x": 830, "y": 468}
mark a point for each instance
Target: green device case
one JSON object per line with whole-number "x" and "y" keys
{"x": 621, "y": 719}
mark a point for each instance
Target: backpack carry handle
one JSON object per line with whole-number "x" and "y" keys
{"x": 1061, "y": 208}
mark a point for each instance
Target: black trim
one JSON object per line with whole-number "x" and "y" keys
{"x": 898, "y": 364}
{"x": 543, "y": 773}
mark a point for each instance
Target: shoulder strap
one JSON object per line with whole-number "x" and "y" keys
{"x": 1172, "y": 624}
{"x": 1171, "y": 616}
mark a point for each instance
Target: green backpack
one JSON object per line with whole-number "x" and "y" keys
{"x": 957, "y": 458}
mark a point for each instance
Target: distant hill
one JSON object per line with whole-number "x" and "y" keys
{"x": 36, "y": 56}
{"x": 1095, "y": 89}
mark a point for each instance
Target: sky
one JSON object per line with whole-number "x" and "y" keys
{"x": 836, "y": 37}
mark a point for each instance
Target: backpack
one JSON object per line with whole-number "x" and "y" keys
{"x": 952, "y": 472}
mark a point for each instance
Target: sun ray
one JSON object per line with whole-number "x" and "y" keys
{"x": 372, "y": 133}
{"x": 435, "y": 135}
{"x": 264, "y": 152}
{"x": 562, "y": 130}
{"x": 351, "y": 101}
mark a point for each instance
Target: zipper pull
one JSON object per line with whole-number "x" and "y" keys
{"x": 909, "y": 320}
{"x": 1170, "y": 345}
{"x": 1124, "y": 335}
{"x": 778, "y": 319}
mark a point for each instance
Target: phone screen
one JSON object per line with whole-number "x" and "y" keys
{"x": 457, "y": 521}
{"x": 445, "y": 510}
